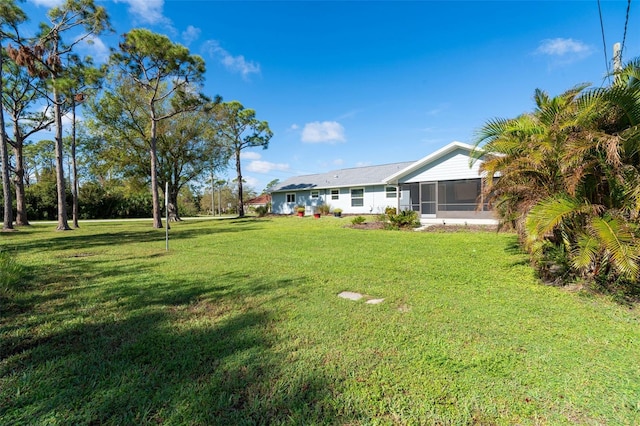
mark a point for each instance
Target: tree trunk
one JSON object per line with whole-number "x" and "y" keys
{"x": 7, "y": 223}
{"x": 60, "y": 184}
{"x": 239, "y": 172}
{"x": 74, "y": 166}
{"x": 157, "y": 219}
{"x": 21, "y": 205}
{"x": 172, "y": 206}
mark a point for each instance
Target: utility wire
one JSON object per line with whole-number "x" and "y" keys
{"x": 604, "y": 44}
{"x": 626, "y": 23}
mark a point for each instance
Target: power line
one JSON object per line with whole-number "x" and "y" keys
{"x": 626, "y": 23}
{"x": 604, "y": 43}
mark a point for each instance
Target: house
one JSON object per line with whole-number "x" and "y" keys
{"x": 442, "y": 186}
{"x": 259, "y": 201}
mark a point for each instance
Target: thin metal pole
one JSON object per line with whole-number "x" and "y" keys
{"x": 166, "y": 208}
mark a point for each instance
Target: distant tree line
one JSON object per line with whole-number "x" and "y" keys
{"x": 149, "y": 132}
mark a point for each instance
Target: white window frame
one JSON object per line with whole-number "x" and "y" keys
{"x": 335, "y": 194}
{"x": 391, "y": 194}
{"x": 315, "y": 195}
{"x": 291, "y": 195}
{"x": 357, "y": 198}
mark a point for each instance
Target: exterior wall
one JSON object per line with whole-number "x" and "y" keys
{"x": 279, "y": 203}
{"x": 374, "y": 200}
{"x": 452, "y": 166}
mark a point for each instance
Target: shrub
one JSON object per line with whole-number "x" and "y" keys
{"x": 390, "y": 211}
{"x": 358, "y": 220}
{"x": 262, "y": 211}
{"x": 323, "y": 209}
{"x": 403, "y": 220}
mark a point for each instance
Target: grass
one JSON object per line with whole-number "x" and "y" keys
{"x": 239, "y": 323}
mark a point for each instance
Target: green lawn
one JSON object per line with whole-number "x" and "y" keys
{"x": 239, "y": 323}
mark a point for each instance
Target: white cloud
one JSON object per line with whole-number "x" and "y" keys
{"x": 191, "y": 34}
{"x": 48, "y": 3}
{"x": 266, "y": 167}
{"x": 233, "y": 63}
{"x": 363, "y": 163}
{"x": 294, "y": 127}
{"x": 327, "y": 131}
{"x": 566, "y": 49}
{"x": 338, "y": 162}
{"x": 147, "y": 11}
{"x": 248, "y": 155}
{"x": 95, "y": 47}
{"x": 251, "y": 181}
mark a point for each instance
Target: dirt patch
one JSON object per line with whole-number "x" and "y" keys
{"x": 367, "y": 225}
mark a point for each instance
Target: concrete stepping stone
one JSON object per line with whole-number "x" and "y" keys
{"x": 350, "y": 295}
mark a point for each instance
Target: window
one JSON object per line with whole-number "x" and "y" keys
{"x": 291, "y": 198}
{"x": 391, "y": 191}
{"x": 314, "y": 194}
{"x": 357, "y": 197}
{"x": 335, "y": 194}
{"x": 458, "y": 195}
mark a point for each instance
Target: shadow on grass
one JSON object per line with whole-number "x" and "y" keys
{"x": 177, "y": 352}
{"x": 514, "y": 249}
{"x": 122, "y": 233}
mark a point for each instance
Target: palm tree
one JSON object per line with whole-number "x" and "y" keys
{"x": 569, "y": 179}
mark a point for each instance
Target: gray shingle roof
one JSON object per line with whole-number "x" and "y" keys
{"x": 370, "y": 175}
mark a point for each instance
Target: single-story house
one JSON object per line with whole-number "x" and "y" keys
{"x": 442, "y": 186}
{"x": 262, "y": 200}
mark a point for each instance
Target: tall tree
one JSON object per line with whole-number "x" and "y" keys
{"x": 23, "y": 93}
{"x": 86, "y": 80}
{"x": 45, "y": 58}
{"x": 240, "y": 129}
{"x": 10, "y": 17}
{"x": 164, "y": 71}
{"x": 188, "y": 147}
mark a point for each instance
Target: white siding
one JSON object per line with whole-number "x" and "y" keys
{"x": 452, "y": 166}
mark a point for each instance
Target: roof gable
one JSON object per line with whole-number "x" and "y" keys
{"x": 431, "y": 158}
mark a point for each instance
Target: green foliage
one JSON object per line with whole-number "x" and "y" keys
{"x": 262, "y": 211}
{"x": 358, "y": 220}
{"x": 323, "y": 209}
{"x": 569, "y": 179}
{"x": 406, "y": 219}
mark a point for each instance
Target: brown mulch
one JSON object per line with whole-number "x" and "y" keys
{"x": 432, "y": 228}
{"x": 367, "y": 225}
{"x": 461, "y": 228}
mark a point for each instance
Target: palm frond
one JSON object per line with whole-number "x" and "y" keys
{"x": 619, "y": 243}
{"x": 548, "y": 214}
{"x": 585, "y": 252}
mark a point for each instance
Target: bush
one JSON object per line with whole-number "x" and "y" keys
{"x": 358, "y": 220}
{"x": 323, "y": 209}
{"x": 404, "y": 220}
{"x": 262, "y": 211}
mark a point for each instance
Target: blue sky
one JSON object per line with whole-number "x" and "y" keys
{"x": 351, "y": 83}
